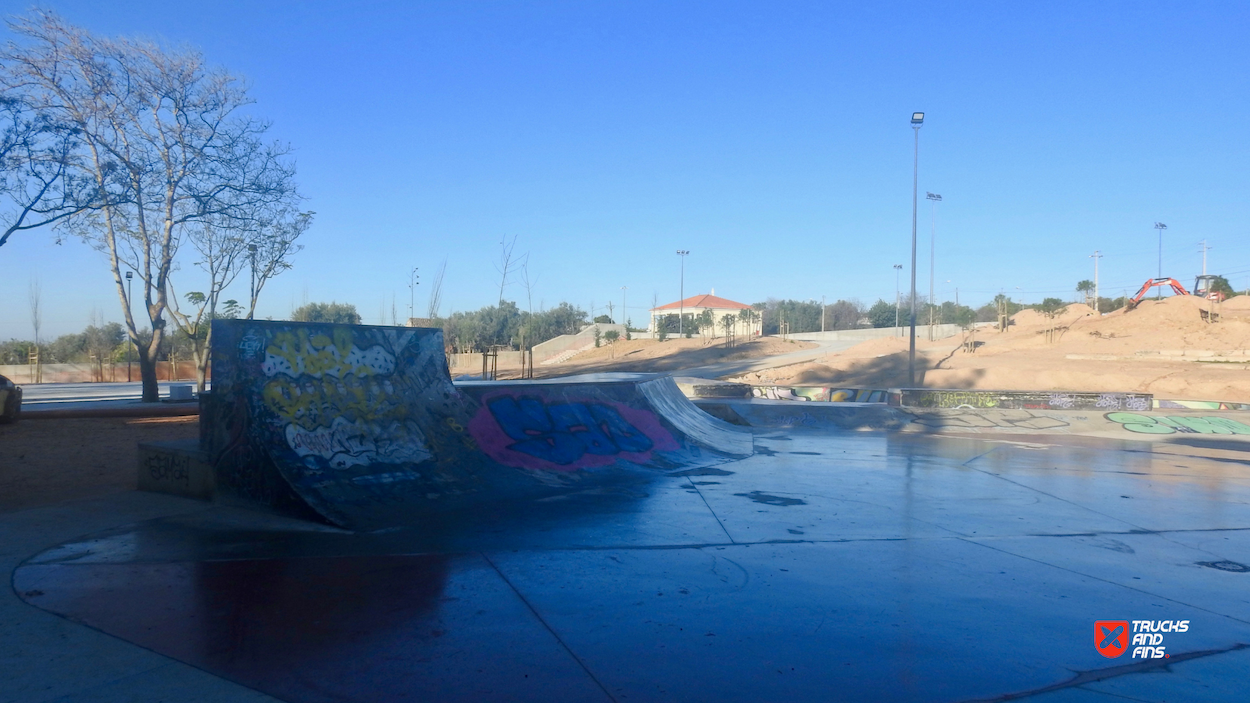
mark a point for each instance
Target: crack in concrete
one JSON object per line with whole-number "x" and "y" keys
{"x": 1095, "y": 675}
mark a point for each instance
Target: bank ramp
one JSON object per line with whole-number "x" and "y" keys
{"x": 362, "y": 426}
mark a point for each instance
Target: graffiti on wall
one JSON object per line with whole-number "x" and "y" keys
{"x": 1026, "y": 400}
{"x": 532, "y": 432}
{"x": 338, "y": 402}
{"x": 821, "y": 394}
{"x": 1174, "y": 424}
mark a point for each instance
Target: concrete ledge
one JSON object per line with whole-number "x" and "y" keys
{"x": 787, "y": 414}
{"x": 177, "y": 468}
{"x": 710, "y": 388}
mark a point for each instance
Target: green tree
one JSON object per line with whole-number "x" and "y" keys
{"x": 1221, "y": 285}
{"x": 332, "y": 313}
{"x": 611, "y": 336}
{"x": 882, "y": 314}
{"x": 604, "y": 319}
{"x": 1052, "y": 306}
{"x": 1086, "y": 288}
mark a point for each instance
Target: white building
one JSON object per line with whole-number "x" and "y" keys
{"x": 695, "y": 306}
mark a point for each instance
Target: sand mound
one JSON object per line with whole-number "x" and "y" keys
{"x": 1033, "y": 318}
{"x": 1152, "y": 348}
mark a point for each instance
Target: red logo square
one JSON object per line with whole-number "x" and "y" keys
{"x": 1111, "y": 637}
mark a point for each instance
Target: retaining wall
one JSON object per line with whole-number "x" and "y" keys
{"x": 922, "y": 331}
{"x": 23, "y": 374}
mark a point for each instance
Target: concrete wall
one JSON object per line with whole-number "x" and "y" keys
{"x": 922, "y": 332}
{"x": 472, "y": 362}
{"x": 87, "y": 373}
{"x": 553, "y": 347}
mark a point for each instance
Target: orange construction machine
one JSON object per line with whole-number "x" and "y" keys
{"x": 1202, "y": 287}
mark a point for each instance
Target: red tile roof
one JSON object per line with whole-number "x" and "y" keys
{"x": 704, "y": 301}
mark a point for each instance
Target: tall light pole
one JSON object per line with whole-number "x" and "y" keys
{"x": 917, "y": 119}
{"x": 129, "y": 280}
{"x": 822, "y": 313}
{"x": 898, "y": 268}
{"x": 1096, "y": 256}
{"x": 412, "y": 286}
{"x": 934, "y": 198}
{"x": 1160, "y": 226}
{"x": 681, "y": 305}
{"x": 1204, "y": 248}
{"x": 624, "y": 315}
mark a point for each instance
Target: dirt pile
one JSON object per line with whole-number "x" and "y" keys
{"x": 1166, "y": 347}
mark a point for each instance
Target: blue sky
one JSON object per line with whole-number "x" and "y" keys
{"x": 769, "y": 139}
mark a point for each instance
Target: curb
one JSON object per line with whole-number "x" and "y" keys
{"x": 144, "y": 410}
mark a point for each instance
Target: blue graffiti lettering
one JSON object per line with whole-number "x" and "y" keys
{"x": 562, "y": 432}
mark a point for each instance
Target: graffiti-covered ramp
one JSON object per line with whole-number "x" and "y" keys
{"x": 363, "y": 426}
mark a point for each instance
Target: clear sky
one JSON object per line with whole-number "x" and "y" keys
{"x": 771, "y": 139}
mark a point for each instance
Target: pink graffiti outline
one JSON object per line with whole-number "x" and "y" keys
{"x": 494, "y": 441}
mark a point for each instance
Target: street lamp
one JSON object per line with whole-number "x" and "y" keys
{"x": 412, "y": 283}
{"x": 935, "y": 199}
{"x": 1160, "y": 226}
{"x": 917, "y": 119}
{"x": 681, "y": 305}
{"x": 898, "y": 268}
{"x": 623, "y": 314}
{"x": 129, "y": 287}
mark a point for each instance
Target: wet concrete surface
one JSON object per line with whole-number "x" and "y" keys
{"x": 851, "y": 566}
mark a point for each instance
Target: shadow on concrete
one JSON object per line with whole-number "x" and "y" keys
{"x": 889, "y": 371}
{"x": 747, "y": 353}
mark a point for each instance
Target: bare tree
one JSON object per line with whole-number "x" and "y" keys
{"x": 436, "y": 292}
{"x": 529, "y": 287}
{"x": 38, "y": 178}
{"x": 271, "y": 246}
{"x": 507, "y": 262}
{"x": 165, "y": 145}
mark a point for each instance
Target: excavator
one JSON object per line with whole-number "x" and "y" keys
{"x": 1203, "y": 286}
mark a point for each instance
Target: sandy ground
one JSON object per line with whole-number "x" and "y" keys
{"x": 50, "y": 461}
{"x": 1136, "y": 350}
{"x": 648, "y": 355}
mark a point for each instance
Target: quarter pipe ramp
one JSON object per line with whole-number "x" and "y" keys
{"x": 362, "y": 426}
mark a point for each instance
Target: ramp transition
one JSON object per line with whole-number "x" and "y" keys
{"x": 362, "y": 426}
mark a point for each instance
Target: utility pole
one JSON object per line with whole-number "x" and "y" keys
{"x": 917, "y": 119}
{"x": 1096, "y": 256}
{"x": 898, "y": 268}
{"x": 1160, "y": 227}
{"x": 935, "y": 199}
{"x": 1205, "y": 249}
{"x": 681, "y": 306}
{"x": 623, "y": 313}
{"x": 412, "y": 284}
{"x": 822, "y": 310}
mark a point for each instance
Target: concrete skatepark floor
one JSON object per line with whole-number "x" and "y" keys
{"x": 835, "y": 566}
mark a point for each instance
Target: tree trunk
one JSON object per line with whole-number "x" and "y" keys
{"x": 201, "y": 359}
{"x": 147, "y": 372}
